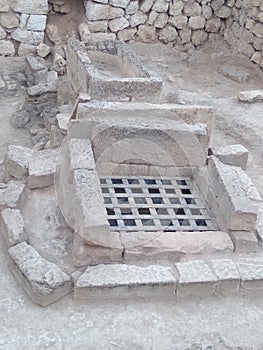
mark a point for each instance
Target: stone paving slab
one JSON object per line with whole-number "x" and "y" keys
{"x": 125, "y": 281}
{"x": 42, "y": 280}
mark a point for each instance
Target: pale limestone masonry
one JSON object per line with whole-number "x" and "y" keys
{"x": 42, "y": 280}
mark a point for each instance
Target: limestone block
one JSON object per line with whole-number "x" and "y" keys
{"x": 168, "y": 34}
{"x": 179, "y": 21}
{"x": 159, "y": 144}
{"x": 251, "y": 273}
{"x": 37, "y": 22}
{"x": 132, "y": 7}
{"x": 251, "y": 96}
{"x": 127, "y": 34}
{"x": 160, "y": 6}
{"x": 63, "y": 120}
{"x": 223, "y": 12}
{"x": 13, "y": 226}
{"x": 25, "y": 36}
{"x": 7, "y": 48}
{"x": 43, "y": 281}
{"x": 88, "y": 253}
{"x": 124, "y": 282}
{"x": 17, "y": 161}
{"x": 207, "y": 11}
{"x": 199, "y": 37}
{"x": 80, "y": 154}
{"x": 11, "y": 194}
{"x": 42, "y": 169}
{"x": 227, "y": 274}
{"x": 244, "y": 242}
{"x": 34, "y": 7}
{"x": 236, "y": 196}
{"x": 9, "y": 20}
{"x": 176, "y": 8}
{"x": 138, "y": 18}
{"x": 172, "y": 246}
{"x": 196, "y": 22}
{"x": 195, "y": 279}
{"x": 26, "y": 49}
{"x": 236, "y": 155}
{"x": 146, "y": 33}
{"x": 146, "y": 5}
{"x": 213, "y": 25}
{"x": 36, "y": 63}
{"x": 192, "y": 9}
{"x": 4, "y": 6}
{"x": 118, "y": 24}
{"x": 91, "y": 216}
{"x": 119, "y": 3}
{"x": 161, "y": 20}
{"x": 94, "y": 27}
{"x": 152, "y": 17}
{"x": 115, "y": 12}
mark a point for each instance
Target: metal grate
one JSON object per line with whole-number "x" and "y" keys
{"x": 154, "y": 204}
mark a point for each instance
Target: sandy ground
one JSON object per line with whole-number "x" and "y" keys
{"x": 234, "y": 322}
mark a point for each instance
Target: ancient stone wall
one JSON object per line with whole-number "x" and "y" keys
{"x": 244, "y": 29}
{"x": 183, "y": 23}
{"x": 22, "y": 25}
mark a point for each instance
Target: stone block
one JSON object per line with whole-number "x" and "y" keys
{"x": 227, "y": 274}
{"x": 13, "y": 226}
{"x": 17, "y": 161}
{"x": 36, "y": 7}
{"x": 164, "y": 143}
{"x": 11, "y": 194}
{"x": 91, "y": 217}
{"x": 235, "y": 196}
{"x": 250, "y": 96}
{"x": 87, "y": 253}
{"x": 149, "y": 246}
{"x": 244, "y": 242}
{"x": 37, "y": 22}
{"x": 7, "y": 48}
{"x": 42, "y": 169}
{"x": 124, "y": 282}
{"x": 80, "y": 154}
{"x": 43, "y": 281}
{"x": 251, "y": 273}
{"x": 236, "y": 155}
{"x": 195, "y": 279}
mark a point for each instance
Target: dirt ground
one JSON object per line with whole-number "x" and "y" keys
{"x": 213, "y": 77}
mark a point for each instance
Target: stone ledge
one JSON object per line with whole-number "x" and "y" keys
{"x": 125, "y": 281}
{"x": 236, "y": 155}
{"x": 42, "y": 280}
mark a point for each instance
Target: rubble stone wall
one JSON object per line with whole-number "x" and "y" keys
{"x": 183, "y": 23}
{"x": 244, "y": 30}
{"x": 22, "y": 25}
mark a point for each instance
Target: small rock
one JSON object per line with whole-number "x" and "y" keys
{"x": 251, "y": 96}
{"x": 43, "y": 50}
{"x": 63, "y": 120}
{"x": 84, "y": 33}
{"x": 13, "y": 226}
{"x": 59, "y": 64}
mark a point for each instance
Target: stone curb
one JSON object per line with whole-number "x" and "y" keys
{"x": 197, "y": 278}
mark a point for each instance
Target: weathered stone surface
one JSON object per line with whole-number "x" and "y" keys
{"x": 235, "y": 73}
{"x": 251, "y": 273}
{"x": 42, "y": 169}
{"x": 97, "y": 27}
{"x": 161, "y": 20}
{"x": 53, "y": 34}
{"x": 91, "y": 217}
{"x": 9, "y": 20}
{"x": 118, "y": 24}
{"x": 199, "y": 37}
{"x": 96, "y": 11}
{"x": 26, "y": 49}
{"x": 236, "y": 155}
{"x": 213, "y": 25}
{"x": 36, "y": 7}
{"x": 160, "y": 6}
{"x": 138, "y": 18}
{"x": 146, "y": 33}
{"x": 63, "y": 120}
{"x": 244, "y": 242}
{"x": 227, "y": 274}
{"x": 125, "y": 281}
{"x": 127, "y": 34}
{"x": 17, "y": 161}
{"x": 81, "y": 154}
{"x": 13, "y": 226}
{"x": 2, "y": 33}
{"x": 11, "y": 194}
{"x": 179, "y": 21}
{"x": 119, "y": 3}
{"x": 4, "y": 6}
{"x": 56, "y": 136}
{"x": 87, "y": 253}
{"x": 146, "y": 5}
{"x": 27, "y": 36}
{"x": 43, "y": 50}
{"x": 132, "y": 7}
{"x": 196, "y": 22}
{"x": 235, "y": 195}
{"x": 195, "y": 279}
{"x": 42, "y": 280}
{"x": 251, "y": 96}
{"x": 37, "y": 22}
{"x": 168, "y": 34}
{"x": 84, "y": 32}
{"x": 192, "y": 9}
{"x": 259, "y": 223}
{"x": 169, "y": 246}
{"x": 7, "y": 48}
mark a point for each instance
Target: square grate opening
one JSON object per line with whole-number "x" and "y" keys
{"x": 154, "y": 204}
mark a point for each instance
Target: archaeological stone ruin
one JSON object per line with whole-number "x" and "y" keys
{"x": 122, "y": 194}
